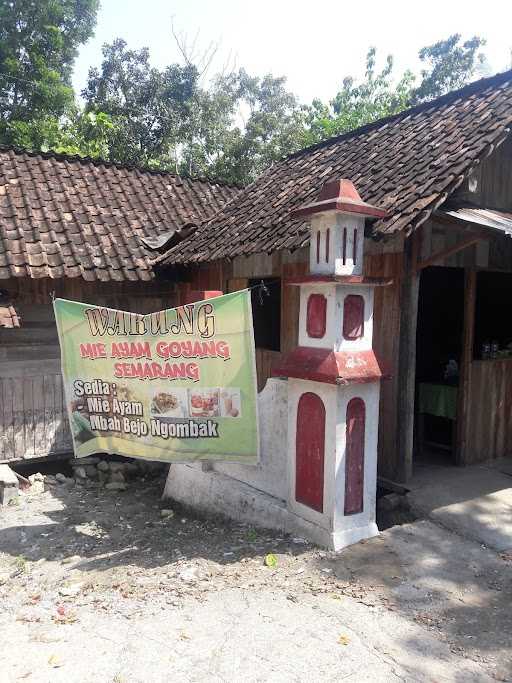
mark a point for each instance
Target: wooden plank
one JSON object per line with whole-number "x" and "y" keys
{"x": 235, "y": 284}
{"x": 489, "y": 411}
{"x": 41, "y": 446}
{"x": 464, "y": 393}
{"x": 9, "y": 441}
{"x": 19, "y": 369}
{"x": 290, "y": 302}
{"x": 6, "y": 446}
{"x": 28, "y": 408}
{"x": 407, "y": 359}
{"x": 50, "y": 413}
{"x": 63, "y": 439}
{"x": 386, "y": 327}
{"x": 449, "y": 251}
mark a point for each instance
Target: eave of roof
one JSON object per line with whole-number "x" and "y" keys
{"x": 497, "y": 221}
{"x": 409, "y": 164}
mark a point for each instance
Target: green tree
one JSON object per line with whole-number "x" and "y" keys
{"x": 231, "y": 128}
{"x": 85, "y": 134}
{"x": 357, "y": 104}
{"x": 39, "y": 40}
{"x": 245, "y": 123}
{"x": 151, "y": 107}
{"x": 450, "y": 65}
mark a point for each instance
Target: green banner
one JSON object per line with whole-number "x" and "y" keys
{"x": 173, "y": 386}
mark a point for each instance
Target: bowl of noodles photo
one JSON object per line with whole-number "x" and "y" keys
{"x": 169, "y": 403}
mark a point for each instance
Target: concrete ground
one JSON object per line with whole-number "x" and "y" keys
{"x": 473, "y": 501}
{"x": 106, "y": 587}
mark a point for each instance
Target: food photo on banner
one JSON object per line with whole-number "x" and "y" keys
{"x": 175, "y": 386}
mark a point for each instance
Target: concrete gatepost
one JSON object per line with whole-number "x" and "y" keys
{"x": 334, "y": 377}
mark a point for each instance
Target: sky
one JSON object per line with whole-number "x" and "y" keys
{"x": 314, "y": 44}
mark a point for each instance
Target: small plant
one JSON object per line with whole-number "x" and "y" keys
{"x": 252, "y": 535}
{"x": 270, "y": 561}
{"x": 20, "y": 562}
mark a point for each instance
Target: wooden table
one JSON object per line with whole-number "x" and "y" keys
{"x": 440, "y": 400}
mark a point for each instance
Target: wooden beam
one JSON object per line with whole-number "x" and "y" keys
{"x": 454, "y": 249}
{"x": 407, "y": 358}
{"x": 464, "y": 391}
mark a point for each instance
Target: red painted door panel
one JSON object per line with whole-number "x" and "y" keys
{"x": 309, "y": 451}
{"x": 354, "y": 462}
{"x": 316, "y": 316}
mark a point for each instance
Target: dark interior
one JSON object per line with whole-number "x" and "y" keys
{"x": 493, "y": 327}
{"x": 266, "y": 312}
{"x": 439, "y": 341}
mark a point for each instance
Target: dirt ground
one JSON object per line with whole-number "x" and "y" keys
{"x": 98, "y": 585}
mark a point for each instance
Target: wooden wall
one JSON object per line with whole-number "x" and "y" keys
{"x": 491, "y": 183}
{"x": 386, "y": 336}
{"x": 33, "y": 419}
{"x": 489, "y": 411}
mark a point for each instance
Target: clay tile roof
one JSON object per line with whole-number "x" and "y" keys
{"x": 408, "y": 164}
{"x": 65, "y": 216}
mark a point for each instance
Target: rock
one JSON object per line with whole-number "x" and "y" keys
{"x": 61, "y": 478}
{"x": 50, "y": 480}
{"x": 71, "y": 590}
{"x": 166, "y": 513}
{"x": 116, "y": 486}
{"x": 8, "y": 485}
{"x": 154, "y": 467}
{"x": 131, "y": 468}
{"x": 71, "y": 559}
{"x": 103, "y": 466}
{"x": 91, "y": 471}
{"x": 390, "y": 502}
{"x": 117, "y": 476}
{"x": 81, "y": 462}
{"x": 36, "y": 483}
{"x": 103, "y": 476}
{"x": 189, "y": 574}
{"x": 80, "y": 473}
{"x": 116, "y": 466}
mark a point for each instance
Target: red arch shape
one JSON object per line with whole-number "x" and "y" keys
{"x": 316, "y": 316}
{"x": 354, "y": 456}
{"x": 310, "y": 452}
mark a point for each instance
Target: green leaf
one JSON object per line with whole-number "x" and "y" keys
{"x": 270, "y": 560}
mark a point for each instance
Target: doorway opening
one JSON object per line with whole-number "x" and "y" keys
{"x": 438, "y": 354}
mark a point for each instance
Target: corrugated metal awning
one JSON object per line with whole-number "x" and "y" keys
{"x": 500, "y": 221}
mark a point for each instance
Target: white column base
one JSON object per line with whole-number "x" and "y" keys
{"x": 341, "y": 539}
{"x": 331, "y": 540}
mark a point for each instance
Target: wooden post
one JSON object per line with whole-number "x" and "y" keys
{"x": 407, "y": 358}
{"x": 464, "y": 391}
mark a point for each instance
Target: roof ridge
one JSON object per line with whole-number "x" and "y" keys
{"x": 97, "y": 161}
{"x": 469, "y": 89}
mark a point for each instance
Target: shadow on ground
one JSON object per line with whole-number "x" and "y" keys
{"x": 120, "y": 544}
